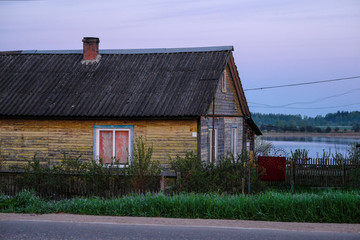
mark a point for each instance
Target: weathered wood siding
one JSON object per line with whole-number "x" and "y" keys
{"x": 227, "y": 115}
{"x": 224, "y": 126}
{"x": 226, "y": 103}
{"x": 20, "y": 139}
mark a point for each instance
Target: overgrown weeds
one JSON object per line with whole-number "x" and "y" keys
{"x": 143, "y": 170}
{"x": 228, "y": 175}
{"x": 74, "y": 176}
{"x": 325, "y": 206}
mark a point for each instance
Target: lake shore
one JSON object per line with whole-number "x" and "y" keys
{"x": 313, "y": 134}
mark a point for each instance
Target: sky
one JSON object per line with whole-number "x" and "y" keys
{"x": 277, "y": 42}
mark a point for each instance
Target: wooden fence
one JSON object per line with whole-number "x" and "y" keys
{"x": 325, "y": 173}
{"x": 321, "y": 172}
{"x": 308, "y": 172}
{"x": 63, "y": 185}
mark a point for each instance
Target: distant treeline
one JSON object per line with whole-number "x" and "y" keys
{"x": 340, "y": 121}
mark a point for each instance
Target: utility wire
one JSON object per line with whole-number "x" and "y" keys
{"x": 305, "y": 83}
{"x": 308, "y": 102}
{"x": 269, "y": 106}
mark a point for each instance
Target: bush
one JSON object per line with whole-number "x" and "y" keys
{"x": 143, "y": 171}
{"x": 74, "y": 176}
{"x": 226, "y": 176}
{"x": 299, "y": 156}
{"x": 354, "y": 154}
{"x": 193, "y": 174}
{"x": 71, "y": 177}
{"x": 263, "y": 148}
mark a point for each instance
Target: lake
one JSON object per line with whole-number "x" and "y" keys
{"x": 315, "y": 145}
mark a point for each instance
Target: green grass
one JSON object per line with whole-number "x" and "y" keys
{"x": 326, "y": 206}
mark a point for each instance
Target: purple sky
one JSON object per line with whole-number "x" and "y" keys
{"x": 276, "y": 42}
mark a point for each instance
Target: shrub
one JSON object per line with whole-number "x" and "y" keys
{"x": 74, "y": 176}
{"x": 193, "y": 174}
{"x": 143, "y": 170}
{"x": 299, "y": 156}
{"x": 262, "y": 147}
{"x": 354, "y": 154}
{"x": 226, "y": 176}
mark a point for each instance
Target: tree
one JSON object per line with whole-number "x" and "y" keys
{"x": 356, "y": 127}
{"x": 309, "y": 129}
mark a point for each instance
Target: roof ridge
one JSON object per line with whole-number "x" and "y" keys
{"x": 128, "y": 51}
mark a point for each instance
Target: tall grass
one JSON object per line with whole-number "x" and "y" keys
{"x": 327, "y": 206}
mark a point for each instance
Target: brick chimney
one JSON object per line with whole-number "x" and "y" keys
{"x": 90, "y": 50}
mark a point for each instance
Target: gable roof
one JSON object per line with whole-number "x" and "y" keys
{"x": 238, "y": 87}
{"x": 124, "y": 83}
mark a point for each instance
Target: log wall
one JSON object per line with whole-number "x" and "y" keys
{"x": 20, "y": 139}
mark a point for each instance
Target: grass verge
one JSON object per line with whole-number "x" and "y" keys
{"x": 327, "y": 206}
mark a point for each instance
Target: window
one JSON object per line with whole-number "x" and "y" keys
{"x": 113, "y": 144}
{"x": 211, "y": 144}
{"x": 234, "y": 141}
{"x": 248, "y": 146}
{"x": 223, "y": 82}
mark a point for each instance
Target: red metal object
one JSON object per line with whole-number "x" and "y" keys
{"x": 274, "y": 168}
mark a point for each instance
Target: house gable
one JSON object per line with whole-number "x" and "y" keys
{"x": 226, "y": 102}
{"x": 229, "y": 99}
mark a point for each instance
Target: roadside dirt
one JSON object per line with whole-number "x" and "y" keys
{"x": 306, "y": 227}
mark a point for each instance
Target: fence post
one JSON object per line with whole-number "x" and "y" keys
{"x": 162, "y": 183}
{"x": 249, "y": 184}
{"x": 292, "y": 176}
{"x": 243, "y": 186}
{"x": 343, "y": 171}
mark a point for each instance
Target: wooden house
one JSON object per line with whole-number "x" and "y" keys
{"x": 94, "y": 103}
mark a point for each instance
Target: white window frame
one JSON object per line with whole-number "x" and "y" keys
{"x": 114, "y": 129}
{"x": 210, "y": 144}
{"x": 248, "y": 146}
{"x": 223, "y": 82}
{"x": 234, "y": 140}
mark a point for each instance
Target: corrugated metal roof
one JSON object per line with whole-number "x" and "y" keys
{"x": 135, "y": 51}
{"x": 167, "y": 83}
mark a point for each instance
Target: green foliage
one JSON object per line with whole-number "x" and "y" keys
{"x": 354, "y": 158}
{"x": 285, "y": 122}
{"x": 325, "y": 206}
{"x": 356, "y": 127}
{"x": 194, "y": 174}
{"x": 262, "y": 147}
{"x": 324, "y": 157}
{"x": 70, "y": 177}
{"x": 338, "y": 158}
{"x": 143, "y": 170}
{"x": 354, "y": 154}
{"x": 226, "y": 176}
{"x": 77, "y": 177}
{"x": 299, "y": 156}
